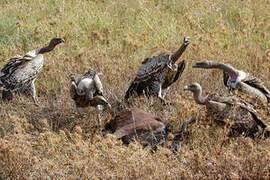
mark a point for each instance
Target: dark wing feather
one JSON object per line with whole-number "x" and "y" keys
{"x": 173, "y": 76}
{"x": 254, "y": 115}
{"x": 180, "y": 70}
{"x": 258, "y": 84}
{"x": 131, "y": 89}
{"x": 13, "y": 64}
{"x": 152, "y": 67}
{"x": 146, "y": 60}
{"x": 222, "y": 99}
{"x": 225, "y": 78}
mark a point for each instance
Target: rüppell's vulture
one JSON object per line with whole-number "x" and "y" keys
{"x": 158, "y": 73}
{"x": 20, "y": 73}
{"x": 239, "y": 116}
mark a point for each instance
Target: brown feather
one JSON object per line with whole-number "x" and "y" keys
{"x": 258, "y": 84}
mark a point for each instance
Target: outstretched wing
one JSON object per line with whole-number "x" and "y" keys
{"x": 74, "y": 81}
{"x": 173, "y": 76}
{"x": 73, "y": 90}
{"x": 258, "y": 84}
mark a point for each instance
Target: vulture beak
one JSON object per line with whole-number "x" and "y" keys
{"x": 100, "y": 100}
{"x": 90, "y": 94}
{"x": 186, "y": 40}
{"x": 60, "y": 40}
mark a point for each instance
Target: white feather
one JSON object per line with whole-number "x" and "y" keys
{"x": 32, "y": 68}
{"x": 241, "y": 75}
{"x": 86, "y": 83}
{"x": 32, "y": 53}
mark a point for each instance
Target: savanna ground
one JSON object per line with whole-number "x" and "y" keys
{"x": 52, "y": 142}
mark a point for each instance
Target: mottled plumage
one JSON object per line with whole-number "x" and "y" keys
{"x": 257, "y": 91}
{"x": 19, "y": 74}
{"x": 239, "y": 116}
{"x": 134, "y": 123}
{"x": 157, "y": 73}
{"x": 87, "y": 90}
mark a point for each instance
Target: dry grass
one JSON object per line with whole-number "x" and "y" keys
{"x": 114, "y": 37}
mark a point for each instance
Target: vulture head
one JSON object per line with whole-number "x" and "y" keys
{"x": 195, "y": 87}
{"x": 56, "y": 41}
{"x": 86, "y": 87}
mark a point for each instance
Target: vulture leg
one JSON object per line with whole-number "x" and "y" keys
{"x": 157, "y": 89}
{"x": 100, "y": 103}
{"x": 161, "y": 97}
{"x": 33, "y": 93}
{"x": 164, "y": 92}
{"x": 99, "y": 109}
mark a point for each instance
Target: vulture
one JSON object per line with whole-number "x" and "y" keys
{"x": 20, "y": 73}
{"x": 239, "y": 116}
{"x": 237, "y": 79}
{"x": 158, "y": 73}
{"x": 135, "y": 124}
{"x": 87, "y": 90}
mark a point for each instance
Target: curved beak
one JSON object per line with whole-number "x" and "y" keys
{"x": 90, "y": 94}
{"x": 100, "y": 100}
{"x": 60, "y": 40}
{"x": 186, "y": 40}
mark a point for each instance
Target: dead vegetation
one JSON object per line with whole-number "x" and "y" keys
{"x": 114, "y": 38}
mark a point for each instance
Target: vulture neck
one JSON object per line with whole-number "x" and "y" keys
{"x": 179, "y": 52}
{"x": 198, "y": 97}
{"x": 46, "y": 49}
{"x": 225, "y": 67}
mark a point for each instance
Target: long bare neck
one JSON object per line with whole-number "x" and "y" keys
{"x": 198, "y": 97}
{"x": 179, "y": 52}
{"x": 225, "y": 67}
{"x": 45, "y": 49}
